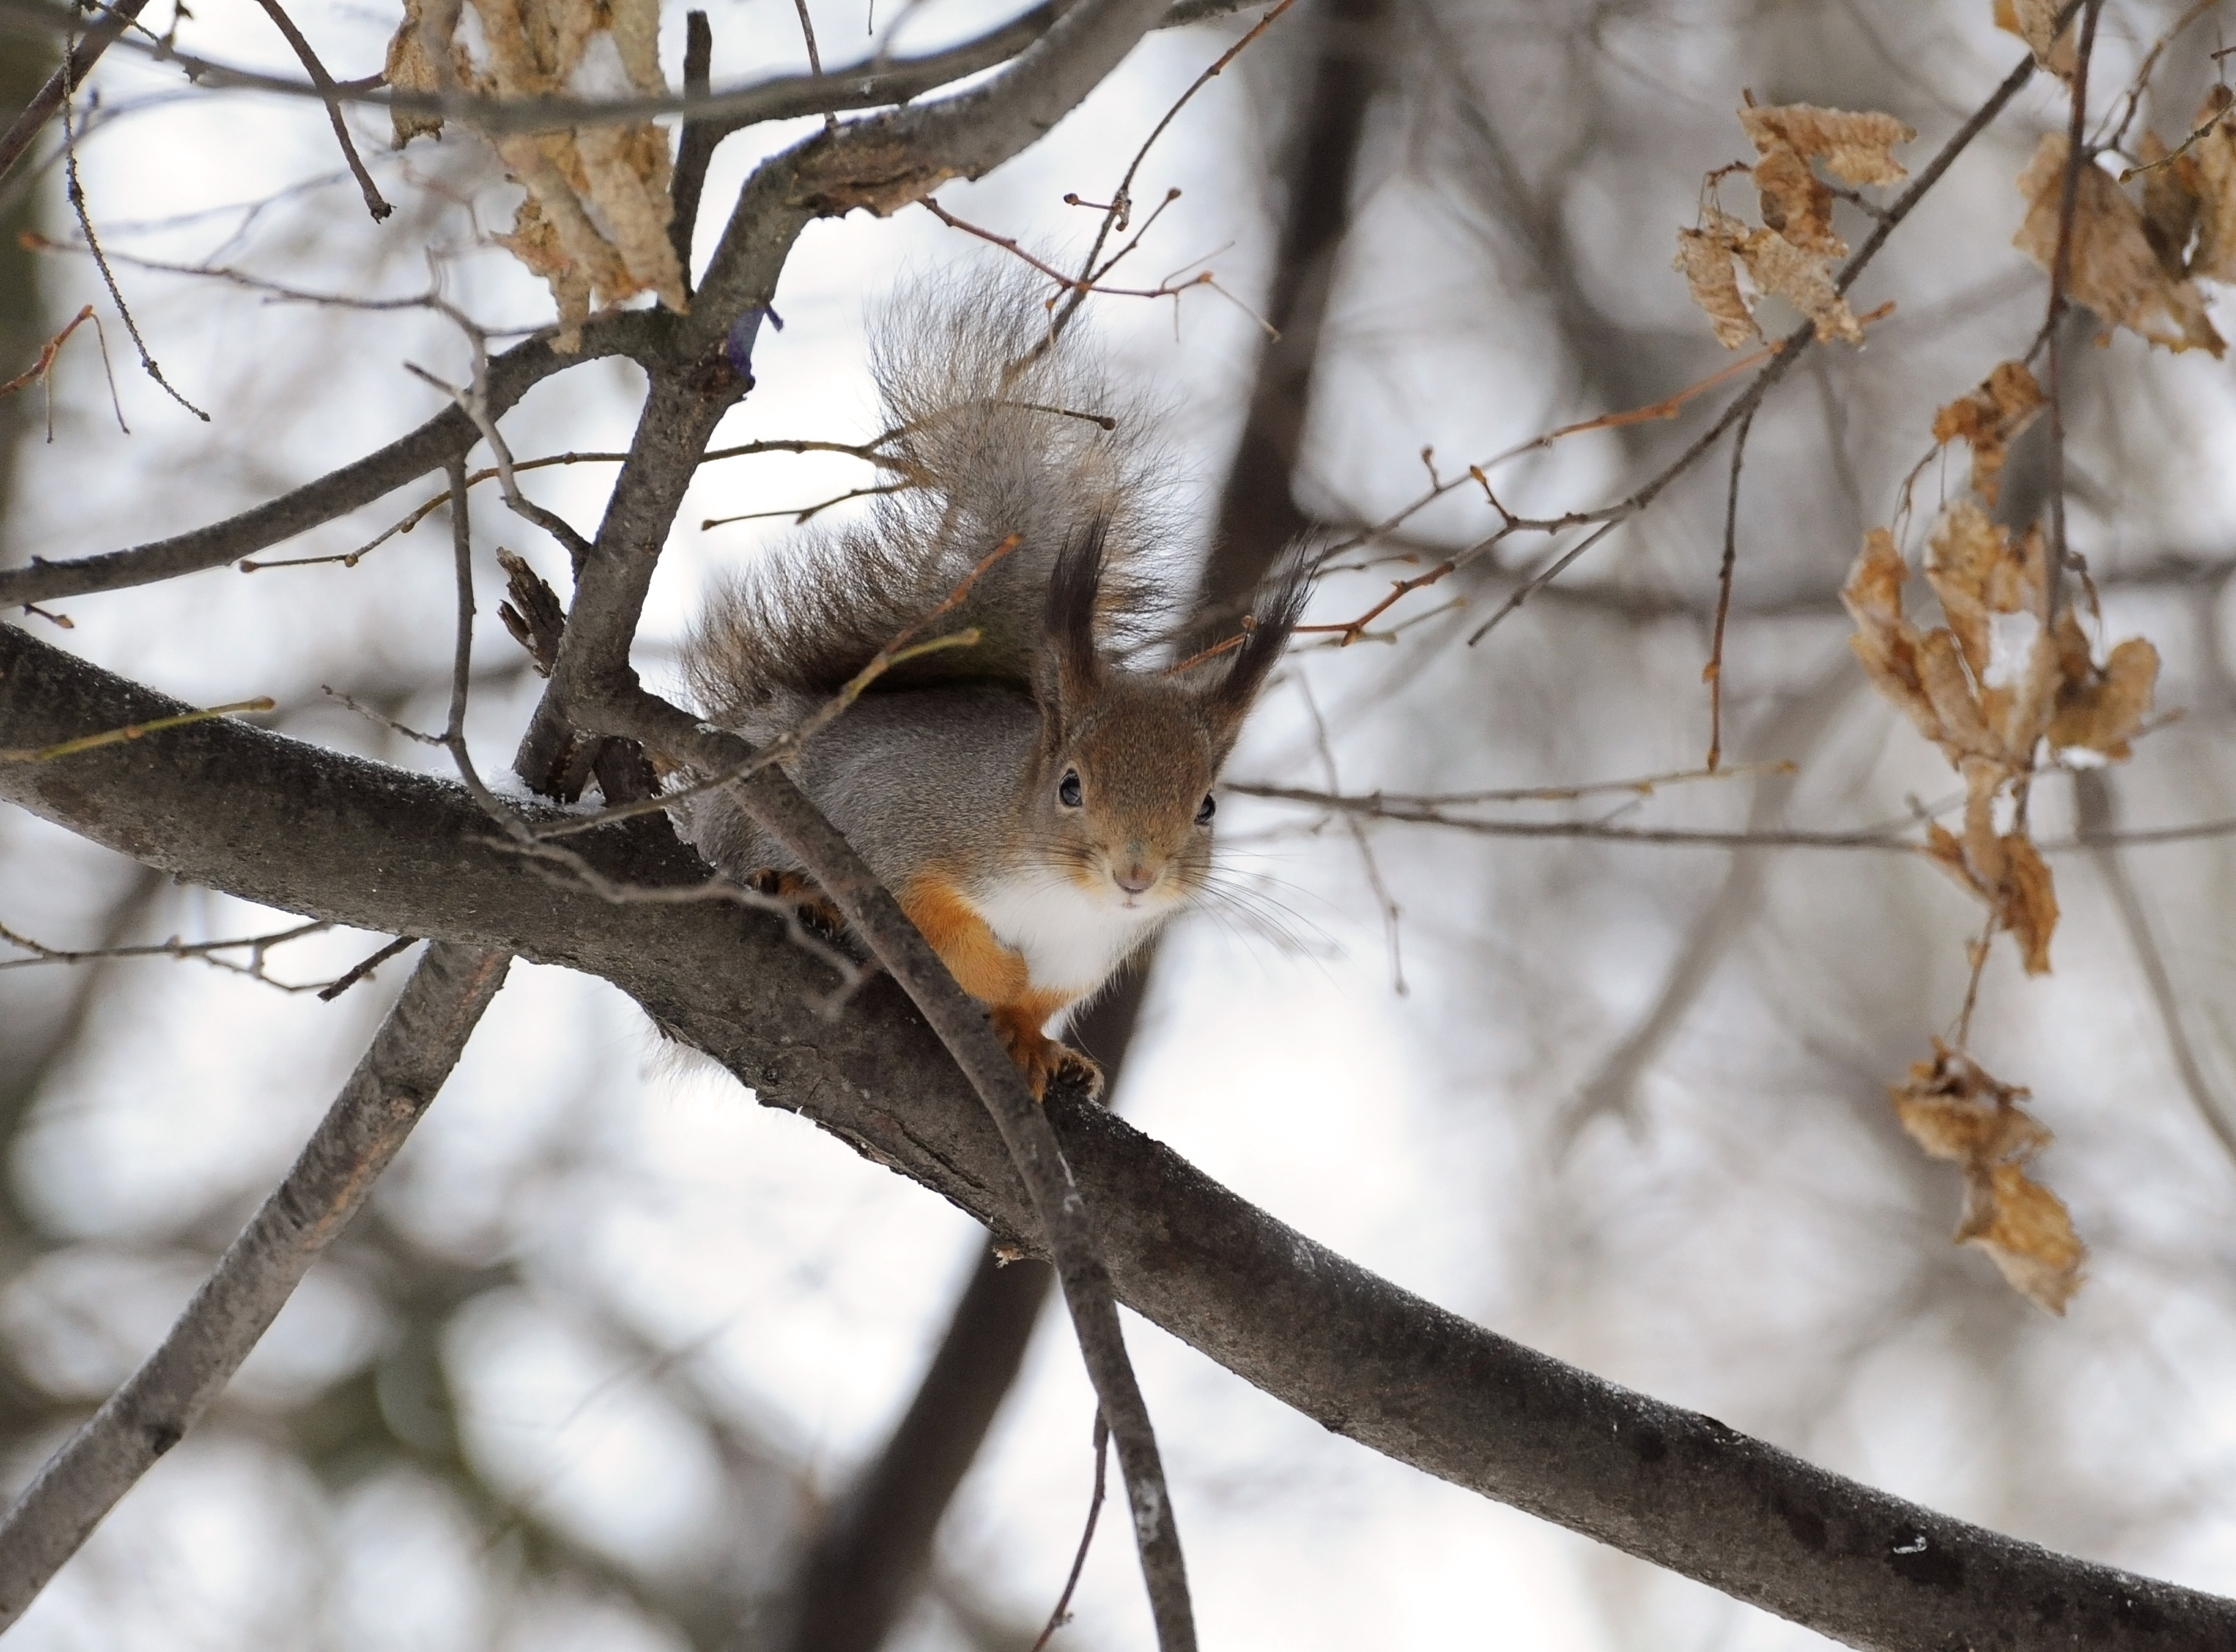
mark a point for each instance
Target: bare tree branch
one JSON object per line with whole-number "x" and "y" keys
{"x": 96, "y": 40}
{"x": 872, "y": 83}
{"x": 410, "y": 1057}
{"x": 448, "y": 434}
{"x": 279, "y": 821}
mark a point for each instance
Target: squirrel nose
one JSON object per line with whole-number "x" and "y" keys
{"x": 1134, "y": 881}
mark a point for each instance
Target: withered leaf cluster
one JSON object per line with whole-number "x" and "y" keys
{"x": 1955, "y": 1110}
{"x": 593, "y": 224}
{"x": 2007, "y": 676}
{"x": 2132, "y": 264}
{"x": 1792, "y": 254}
{"x": 1989, "y": 687}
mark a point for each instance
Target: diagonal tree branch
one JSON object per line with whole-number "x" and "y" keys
{"x": 287, "y": 823}
{"x": 96, "y": 40}
{"x": 410, "y": 1057}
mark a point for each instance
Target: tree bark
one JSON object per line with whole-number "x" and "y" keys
{"x": 309, "y": 830}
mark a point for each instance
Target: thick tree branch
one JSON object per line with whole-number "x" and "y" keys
{"x": 872, "y": 83}
{"x": 65, "y": 80}
{"x": 278, "y": 821}
{"x": 410, "y": 1057}
{"x": 448, "y": 434}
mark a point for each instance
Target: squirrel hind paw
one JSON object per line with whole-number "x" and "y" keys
{"x": 816, "y": 913}
{"x": 1044, "y": 1061}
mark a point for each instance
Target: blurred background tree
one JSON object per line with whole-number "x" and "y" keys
{"x": 616, "y": 1359}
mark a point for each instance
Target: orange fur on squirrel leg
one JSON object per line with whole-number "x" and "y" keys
{"x": 995, "y": 976}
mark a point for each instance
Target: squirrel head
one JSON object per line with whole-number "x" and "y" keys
{"x": 1119, "y": 795}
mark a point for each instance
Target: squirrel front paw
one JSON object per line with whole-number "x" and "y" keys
{"x": 1043, "y": 1060}
{"x": 817, "y": 914}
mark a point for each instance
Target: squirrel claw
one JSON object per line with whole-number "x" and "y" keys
{"x": 1043, "y": 1060}
{"x": 817, "y": 914}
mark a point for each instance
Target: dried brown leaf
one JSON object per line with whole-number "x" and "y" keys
{"x": 2027, "y": 1231}
{"x": 2101, "y": 709}
{"x": 1885, "y": 641}
{"x": 1963, "y": 552}
{"x": 2114, "y": 270}
{"x": 2169, "y": 203}
{"x": 1704, "y": 257}
{"x": 2028, "y": 907}
{"x": 2209, "y": 172}
{"x": 535, "y": 242}
{"x": 413, "y": 66}
{"x": 595, "y": 223}
{"x": 1955, "y": 1110}
{"x": 1804, "y": 280}
{"x": 1858, "y": 146}
{"x": 1965, "y": 731}
{"x": 1989, "y": 419}
{"x": 2035, "y": 22}
{"x": 1796, "y": 203}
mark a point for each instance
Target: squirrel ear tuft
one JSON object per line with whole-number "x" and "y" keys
{"x": 1280, "y": 604}
{"x": 1070, "y": 671}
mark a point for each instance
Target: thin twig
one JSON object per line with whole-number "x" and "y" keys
{"x": 2141, "y": 80}
{"x": 815, "y": 59}
{"x": 75, "y": 192}
{"x": 1078, "y": 285}
{"x": 259, "y": 947}
{"x": 1643, "y": 786}
{"x": 865, "y": 451}
{"x": 1713, "y": 674}
{"x": 1392, "y": 915}
{"x": 1355, "y": 630}
{"x": 1118, "y": 212}
{"x": 804, "y": 513}
{"x": 129, "y": 732}
{"x": 1791, "y": 348}
{"x": 359, "y": 971}
{"x": 2061, "y": 270}
{"x": 1960, "y": 1036}
{"x": 1062, "y": 1615}
{"x": 38, "y": 369}
{"x": 316, "y": 71}
{"x": 462, "y": 659}
{"x": 473, "y": 400}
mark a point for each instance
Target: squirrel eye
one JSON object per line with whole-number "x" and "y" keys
{"x": 1068, "y": 792}
{"x": 1210, "y": 806}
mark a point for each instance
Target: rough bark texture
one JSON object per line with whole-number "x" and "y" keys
{"x": 309, "y": 830}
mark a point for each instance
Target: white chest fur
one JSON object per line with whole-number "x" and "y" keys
{"x": 1072, "y": 938}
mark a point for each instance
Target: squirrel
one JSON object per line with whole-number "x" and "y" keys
{"x": 1040, "y": 802}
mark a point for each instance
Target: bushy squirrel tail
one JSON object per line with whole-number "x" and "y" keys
{"x": 997, "y": 427}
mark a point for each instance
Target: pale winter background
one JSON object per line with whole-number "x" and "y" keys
{"x": 611, "y": 1336}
